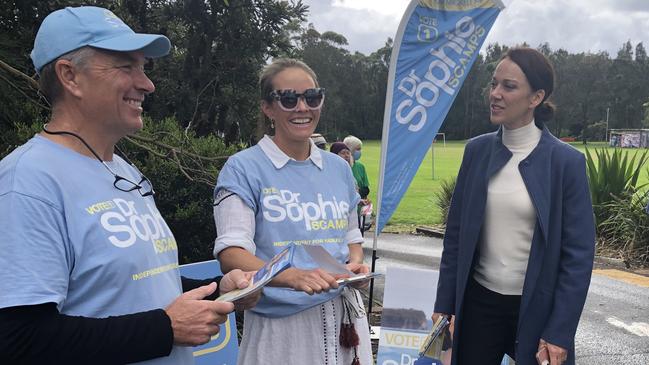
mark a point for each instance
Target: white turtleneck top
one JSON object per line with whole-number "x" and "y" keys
{"x": 510, "y": 219}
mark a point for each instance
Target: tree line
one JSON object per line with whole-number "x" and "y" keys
{"x": 209, "y": 82}
{"x": 206, "y": 102}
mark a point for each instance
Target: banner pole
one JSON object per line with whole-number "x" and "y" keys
{"x": 432, "y": 155}
{"x": 378, "y": 226}
{"x": 371, "y": 299}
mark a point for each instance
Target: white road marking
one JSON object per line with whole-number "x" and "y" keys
{"x": 637, "y": 328}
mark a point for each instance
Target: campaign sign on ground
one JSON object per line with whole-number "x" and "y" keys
{"x": 408, "y": 301}
{"x": 223, "y": 348}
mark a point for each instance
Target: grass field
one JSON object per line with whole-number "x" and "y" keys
{"x": 418, "y": 204}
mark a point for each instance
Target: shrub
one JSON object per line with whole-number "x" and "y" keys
{"x": 612, "y": 176}
{"x": 183, "y": 179}
{"x": 624, "y": 231}
{"x": 595, "y": 132}
{"x": 443, "y": 197}
{"x": 16, "y": 136}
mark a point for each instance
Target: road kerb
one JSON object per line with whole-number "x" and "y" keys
{"x": 624, "y": 276}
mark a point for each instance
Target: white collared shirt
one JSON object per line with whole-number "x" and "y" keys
{"x": 280, "y": 159}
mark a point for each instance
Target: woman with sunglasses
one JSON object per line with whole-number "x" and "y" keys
{"x": 285, "y": 190}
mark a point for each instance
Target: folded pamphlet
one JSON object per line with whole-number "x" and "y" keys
{"x": 437, "y": 340}
{"x": 357, "y": 278}
{"x": 277, "y": 264}
{"x": 325, "y": 261}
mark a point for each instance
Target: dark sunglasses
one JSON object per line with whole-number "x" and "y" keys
{"x": 288, "y": 99}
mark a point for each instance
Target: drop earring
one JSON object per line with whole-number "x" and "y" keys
{"x": 272, "y": 124}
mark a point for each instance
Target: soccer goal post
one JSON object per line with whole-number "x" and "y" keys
{"x": 432, "y": 150}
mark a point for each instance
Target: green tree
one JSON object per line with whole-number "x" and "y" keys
{"x": 645, "y": 119}
{"x": 627, "y": 87}
{"x": 19, "y": 21}
{"x": 355, "y": 83}
{"x": 595, "y": 131}
{"x": 640, "y": 53}
{"x": 213, "y": 80}
{"x": 209, "y": 79}
{"x": 625, "y": 53}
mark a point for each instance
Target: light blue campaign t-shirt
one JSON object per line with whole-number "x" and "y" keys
{"x": 298, "y": 203}
{"x": 69, "y": 237}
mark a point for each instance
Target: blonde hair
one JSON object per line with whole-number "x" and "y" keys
{"x": 266, "y": 78}
{"x": 278, "y": 65}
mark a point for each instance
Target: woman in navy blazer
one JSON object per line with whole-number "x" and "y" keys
{"x": 553, "y": 274}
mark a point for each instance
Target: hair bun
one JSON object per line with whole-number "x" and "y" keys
{"x": 544, "y": 112}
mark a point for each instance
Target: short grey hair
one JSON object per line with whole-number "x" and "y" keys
{"x": 353, "y": 143}
{"x": 49, "y": 83}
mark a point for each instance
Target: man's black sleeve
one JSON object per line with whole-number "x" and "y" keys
{"x": 39, "y": 334}
{"x": 189, "y": 284}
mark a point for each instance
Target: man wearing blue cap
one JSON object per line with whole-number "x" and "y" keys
{"x": 88, "y": 266}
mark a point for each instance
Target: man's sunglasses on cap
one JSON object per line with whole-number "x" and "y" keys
{"x": 288, "y": 99}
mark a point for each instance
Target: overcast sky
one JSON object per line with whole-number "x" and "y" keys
{"x": 574, "y": 25}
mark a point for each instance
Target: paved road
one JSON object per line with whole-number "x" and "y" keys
{"x": 614, "y": 328}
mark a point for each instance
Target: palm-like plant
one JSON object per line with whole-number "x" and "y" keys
{"x": 444, "y": 195}
{"x": 612, "y": 176}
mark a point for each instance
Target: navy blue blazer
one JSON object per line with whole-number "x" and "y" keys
{"x": 563, "y": 244}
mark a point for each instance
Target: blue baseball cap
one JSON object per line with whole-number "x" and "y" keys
{"x": 68, "y": 29}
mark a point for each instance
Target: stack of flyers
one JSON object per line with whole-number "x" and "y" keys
{"x": 277, "y": 264}
{"x": 357, "y": 278}
{"x": 434, "y": 343}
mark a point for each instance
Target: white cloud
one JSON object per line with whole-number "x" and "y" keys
{"x": 393, "y": 8}
{"x": 575, "y": 25}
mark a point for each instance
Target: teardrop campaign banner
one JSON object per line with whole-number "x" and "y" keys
{"x": 434, "y": 49}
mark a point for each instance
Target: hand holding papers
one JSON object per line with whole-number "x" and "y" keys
{"x": 238, "y": 279}
{"x": 550, "y": 354}
{"x": 284, "y": 259}
{"x": 436, "y": 346}
{"x": 433, "y": 345}
{"x": 277, "y": 264}
{"x": 542, "y": 357}
{"x": 328, "y": 263}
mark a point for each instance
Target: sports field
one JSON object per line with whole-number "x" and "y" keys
{"x": 418, "y": 204}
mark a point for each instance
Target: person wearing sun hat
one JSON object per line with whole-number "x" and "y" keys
{"x": 319, "y": 141}
{"x": 358, "y": 169}
{"x": 341, "y": 149}
{"x": 89, "y": 268}
{"x": 69, "y": 29}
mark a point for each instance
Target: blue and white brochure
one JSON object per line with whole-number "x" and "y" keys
{"x": 263, "y": 276}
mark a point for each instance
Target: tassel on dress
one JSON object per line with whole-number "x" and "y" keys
{"x": 348, "y": 336}
{"x": 356, "y": 361}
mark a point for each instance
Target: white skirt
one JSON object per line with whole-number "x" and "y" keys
{"x": 309, "y": 337}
